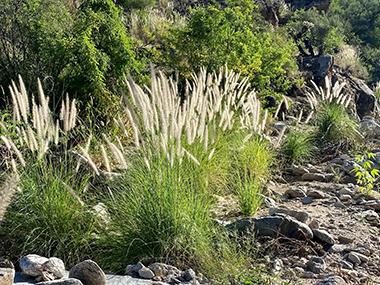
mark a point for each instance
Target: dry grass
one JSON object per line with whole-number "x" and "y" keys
{"x": 330, "y": 93}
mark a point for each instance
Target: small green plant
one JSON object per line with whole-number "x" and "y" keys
{"x": 365, "y": 172}
{"x": 297, "y": 146}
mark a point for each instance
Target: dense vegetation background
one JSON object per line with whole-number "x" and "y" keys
{"x": 86, "y": 48}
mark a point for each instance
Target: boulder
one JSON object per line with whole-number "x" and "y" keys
{"x": 89, "y": 273}
{"x": 365, "y": 98}
{"x": 272, "y": 226}
{"x": 32, "y": 264}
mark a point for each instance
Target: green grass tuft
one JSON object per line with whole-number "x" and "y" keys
{"x": 45, "y": 218}
{"x": 298, "y": 146}
{"x": 335, "y": 125}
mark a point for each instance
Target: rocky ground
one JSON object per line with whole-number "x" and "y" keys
{"x": 315, "y": 230}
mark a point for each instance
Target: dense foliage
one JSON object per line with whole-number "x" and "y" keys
{"x": 235, "y": 36}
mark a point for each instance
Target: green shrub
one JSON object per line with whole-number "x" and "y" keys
{"x": 47, "y": 217}
{"x": 85, "y": 52}
{"x": 335, "y": 125}
{"x": 234, "y": 36}
{"x": 297, "y": 147}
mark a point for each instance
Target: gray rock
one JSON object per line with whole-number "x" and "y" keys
{"x": 146, "y": 273}
{"x": 369, "y": 127}
{"x": 55, "y": 266}
{"x": 89, "y": 273}
{"x": 295, "y": 193}
{"x": 323, "y": 236}
{"x": 365, "y": 98}
{"x": 346, "y": 191}
{"x": 69, "y": 281}
{"x": 159, "y": 269}
{"x": 299, "y": 215}
{"x": 133, "y": 269}
{"x": 32, "y": 264}
{"x": 307, "y": 200}
{"x": 316, "y": 194}
{"x": 7, "y": 276}
{"x": 372, "y": 205}
{"x": 316, "y": 265}
{"x": 281, "y": 225}
{"x": 314, "y": 177}
{"x": 332, "y": 280}
{"x": 356, "y": 258}
{"x": 189, "y": 275}
{"x": 371, "y": 215}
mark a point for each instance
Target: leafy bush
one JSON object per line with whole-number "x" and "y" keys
{"x": 335, "y": 125}
{"x": 297, "y": 146}
{"x": 365, "y": 172}
{"x": 102, "y": 53}
{"x": 35, "y": 39}
{"x": 48, "y": 216}
{"x": 85, "y": 52}
{"x": 234, "y": 36}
